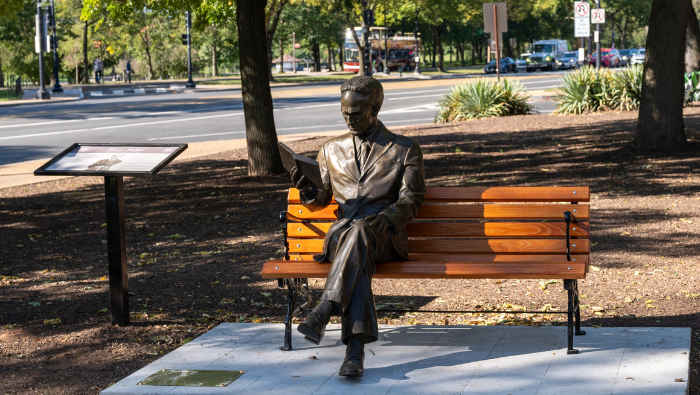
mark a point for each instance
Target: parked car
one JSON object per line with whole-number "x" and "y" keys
{"x": 626, "y": 56}
{"x": 639, "y": 57}
{"x": 522, "y": 61}
{"x": 507, "y": 65}
{"x": 568, "y": 60}
{"x": 544, "y": 54}
{"x": 609, "y": 57}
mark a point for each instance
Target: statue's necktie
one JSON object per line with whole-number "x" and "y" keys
{"x": 364, "y": 153}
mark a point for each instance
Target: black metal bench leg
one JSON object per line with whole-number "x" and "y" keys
{"x": 569, "y": 286}
{"x": 577, "y": 307}
{"x": 288, "y": 321}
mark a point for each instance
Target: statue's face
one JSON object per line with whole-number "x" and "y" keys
{"x": 359, "y": 114}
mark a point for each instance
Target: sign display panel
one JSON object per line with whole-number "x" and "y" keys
{"x": 112, "y": 159}
{"x": 598, "y": 16}
{"x": 582, "y": 27}
{"x": 581, "y": 9}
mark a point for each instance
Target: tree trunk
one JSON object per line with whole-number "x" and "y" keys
{"x": 146, "y": 39}
{"x": 2, "y": 76}
{"x": 261, "y": 137}
{"x": 341, "y": 57}
{"x": 473, "y": 55}
{"x": 214, "y": 64}
{"x": 86, "y": 69}
{"x": 660, "y": 122}
{"x": 434, "y": 51}
{"x": 692, "y": 43}
{"x": 281, "y": 55}
{"x": 316, "y": 54}
{"x": 440, "y": 51}
{"x": 461, "y": 51}
{"x": 270, "y": 28}
{"x": 331, "y": 63}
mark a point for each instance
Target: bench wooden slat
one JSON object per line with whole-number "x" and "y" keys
{"x": 510, "y": 246}
{"x": 463, "y": 211}
{"x": 422, "y": 269}
{"x": 435, "y": 230}
{"x": 496, "y": 194}
{"x": 474, "y": 257}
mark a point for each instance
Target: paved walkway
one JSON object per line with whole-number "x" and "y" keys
{"x": 435, "y": 360}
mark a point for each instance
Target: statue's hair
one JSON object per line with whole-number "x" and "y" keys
{"x": 367, "y": 86}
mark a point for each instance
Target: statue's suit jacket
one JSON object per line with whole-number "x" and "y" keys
{"x": 391, "y": 184}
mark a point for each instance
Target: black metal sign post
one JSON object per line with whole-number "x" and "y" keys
{"x": 114, "y": 162}
{"x": 116, "y": 250}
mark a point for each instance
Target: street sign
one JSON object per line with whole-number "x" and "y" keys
{"x": 297, "y": 45}
{"x": 582, "y": 27}
{"x": 582, "y": 9}
{"x": 502, "y": 17}
{"x": 114, "y": 162}
{"x": 598, "y": 16}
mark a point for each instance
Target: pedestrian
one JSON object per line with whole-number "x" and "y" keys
{"x": 97, "y": 68}
{"x": 128, "y": 72}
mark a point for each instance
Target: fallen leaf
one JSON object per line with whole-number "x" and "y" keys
{"x": 54, "y": 321}
{"x": 625, "y": 234}
{"x": 597, "y": 308}
{"x": 594, "y": 268}
{"x": 245, "y": 278}
{"x": 104, "y": 241}
{"x": 265, "y": 294}
{"x": 105, "y": 310}
{"x": 175, "y": 236}
{"x": 34, "y": 304}
{"x": 686, "y": 221}
{"x": 313, "y": 357}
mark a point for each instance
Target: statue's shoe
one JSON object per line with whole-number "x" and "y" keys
{"x": 353, "y": 364}
{"x": 312, "y": 328}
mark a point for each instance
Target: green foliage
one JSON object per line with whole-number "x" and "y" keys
{"x": 483, "y": 99}
{"x": 587, "y": 90}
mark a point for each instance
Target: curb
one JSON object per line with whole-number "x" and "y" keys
{"x": 58, "y": 99}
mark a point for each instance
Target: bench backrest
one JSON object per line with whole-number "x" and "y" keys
{"x": 476, "y": 224}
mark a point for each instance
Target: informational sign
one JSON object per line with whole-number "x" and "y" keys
{"x": 582, "y": 27}
{"x": 501, "y": 15}
{"x": 598, "y": 16}
{"x": 582, "y": 9}
{"x": 492, "y": 43}
{"x": 112, "y": 159}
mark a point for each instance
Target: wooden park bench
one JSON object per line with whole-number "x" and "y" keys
{"x": 463, "y": 233}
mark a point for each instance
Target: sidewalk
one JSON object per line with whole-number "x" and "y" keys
{"x": 29, "y": 98}
{"x": 17, "y": 174}
{"x": 432, "y": 360}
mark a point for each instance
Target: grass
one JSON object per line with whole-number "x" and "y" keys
{"x": 7, "y": 95}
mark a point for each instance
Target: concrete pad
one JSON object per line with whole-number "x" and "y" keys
{"x": 435, "y": 360}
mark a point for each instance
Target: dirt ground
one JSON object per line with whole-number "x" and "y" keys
{"x": 199, "y": 232}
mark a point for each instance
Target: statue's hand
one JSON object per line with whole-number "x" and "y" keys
{"x": 301, "y": 182}
{"x": 378, "y": 223}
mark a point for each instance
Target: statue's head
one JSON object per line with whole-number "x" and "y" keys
{"x": 361, "y": 99}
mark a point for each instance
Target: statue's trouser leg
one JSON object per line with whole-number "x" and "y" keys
{"x": 355, "y": 251}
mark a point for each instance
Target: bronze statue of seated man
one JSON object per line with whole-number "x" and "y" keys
{"x": 377, "y": 178}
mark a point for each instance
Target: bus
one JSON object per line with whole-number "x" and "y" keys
{"x": 402, "y": 50}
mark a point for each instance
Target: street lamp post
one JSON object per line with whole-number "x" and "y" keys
{"x": 294, "y": 53}
{"x": 597, "y": 41}
{"x": 188, "y": 21}
{"x": 57, "y": 85}
{"x": 41, "y": 94}
{"x": 386, "y": 47}
{"x": 416, "y": 36}
{"x": 366, "y": 23}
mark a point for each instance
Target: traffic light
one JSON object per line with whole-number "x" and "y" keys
{"x": 184, "y": 39}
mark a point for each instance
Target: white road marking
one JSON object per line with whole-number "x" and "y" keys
{"x": 423, "y": 108}
{"x": 161, "y": 90}
{"x": 96, "y": 93}
{"x": 411, "y": 93}
{"x": 194, "y": 136}
{"x": 118, "y": 92}
{"x": 117, "y": 126}
{"x": 415, "y": 97}
{"x": 139, "y": 91}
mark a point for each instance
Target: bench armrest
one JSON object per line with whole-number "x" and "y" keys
{"x": 569, "y": 217}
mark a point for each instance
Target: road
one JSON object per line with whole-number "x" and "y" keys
{"x": 42, "y": 131}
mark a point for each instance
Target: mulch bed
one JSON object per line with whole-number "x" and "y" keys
{"x": 199, "y": 232}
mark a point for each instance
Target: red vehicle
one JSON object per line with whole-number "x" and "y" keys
{"x": 609, "y": 57}
{"x": 402, "y": 50}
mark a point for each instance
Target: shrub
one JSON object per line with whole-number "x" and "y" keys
{"x": 588, "y": 90}
{"x": 483, "y": 99}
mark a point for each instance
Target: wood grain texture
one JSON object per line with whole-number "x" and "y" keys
{"x": 495, "y": 194}
{"x": 434, "y": 230}
{"x": 508, "y": 246}
{"x": 463, "y": 211}
{"x": 422, "y": 269}
{"x": 437, "y": 257}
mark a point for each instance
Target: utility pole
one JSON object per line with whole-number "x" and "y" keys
{"x": 498, "y": 55}
{"x": 294, "y": 52}
{"x": 367, "y": 15}
{"x": 386, "y": 47}
{"x": 415, "y": 35}
{"x": 54, "y": 47}
{"x": 597, "y": 40}
{"x": 40, "y": 43}
{"x": 188, "y": 22}
{"x": 612, "y": 29}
